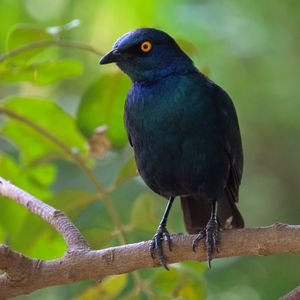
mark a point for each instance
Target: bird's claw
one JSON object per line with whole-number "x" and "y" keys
{"x": 210, "y": 234}
{"x": 156, "y": 247}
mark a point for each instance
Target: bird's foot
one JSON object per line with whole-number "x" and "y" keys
{"x": 156, "y": 247}
{"x": 210, "y": 234}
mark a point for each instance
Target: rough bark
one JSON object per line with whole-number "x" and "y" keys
{"x": 293, "y": 295}
{"x": 24, "y": 275}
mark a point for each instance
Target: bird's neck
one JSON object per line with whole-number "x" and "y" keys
{"x": 154, "y": 76}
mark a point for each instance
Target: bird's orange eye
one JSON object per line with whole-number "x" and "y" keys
{"x": 146, "y": 46}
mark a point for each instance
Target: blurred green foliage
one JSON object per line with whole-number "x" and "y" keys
{"x": 53, "y": 96}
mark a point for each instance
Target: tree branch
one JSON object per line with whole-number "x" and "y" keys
{"x": 56, "y": 218}
{"x": 25, "y": 275}
{"x": 293, "y": 295}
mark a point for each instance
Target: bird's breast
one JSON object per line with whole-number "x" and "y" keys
{"x": 169, "y": 130}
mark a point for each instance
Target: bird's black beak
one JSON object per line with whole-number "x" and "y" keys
{"x": 110, "y": 57}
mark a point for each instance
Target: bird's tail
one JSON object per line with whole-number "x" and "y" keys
{"x": 196, "y": 213}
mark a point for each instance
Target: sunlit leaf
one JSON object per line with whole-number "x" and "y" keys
{"x": 48, "y": 115}
{"x": 65, "y": 27}
{"x": 128, "y": 171}
{"x": 181, "y": 281}
{"x": 28, "y": 179}
{"x": 9, "y": 208}
{"x": 43, "y": 174}
{"x": 2, "y": 233}
{"x": 42, "y": 73}
{"x": 166, "y": 281}
{"x": 22, "y": 34}
{"x": 35, "y": 180}
{"x": 190, "y": 290}
{"x": 47, "y": 247}
{"x": 108, "y": 289}
{"x": 132, "y": 295}
{"x": 103, "y": 103}
{"x": 192, "y": 283}
{"x": 143, "y": 212}
{"x": 28, "y": 238}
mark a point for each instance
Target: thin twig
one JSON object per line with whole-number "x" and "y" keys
{"x": 81, "y": 162}
{"x": 49, "y": 43}
{"x": 58, "y": 142}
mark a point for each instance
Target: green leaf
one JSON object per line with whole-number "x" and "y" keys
{"x": 72, "y": 201}
{"x": 47, "y": 246}
{"x": 97, "y": 237}
{"x": 103, "y": 103}
{"x": 190, "y": 290}
{"x": 132, "y": 295}
{"x": 192, "y": 284}
{"x": 128, "y": 171}
{"x": 187, "y": 47}
{"x": 47, "y": 115}
{"x": 31, "y": 232}
{"x": 23, "y": 34}
{"x": 2, "y": 233}
{"x": 36, "y": 181}
{"x": 166, "y": 281}
{"x": 8, "y": 208}
{"x": 182, "y": 282}
{"x": 143, "y": 212}
{"x": 110, "y": 288}
{"x": 43, "y": 174}
{"x": 195, "y": 269}
{"x": 43, "y": 73}
{"x": 55, "y": 30}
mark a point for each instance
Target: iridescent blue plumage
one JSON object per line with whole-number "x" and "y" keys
{"x": 184, "y": 132}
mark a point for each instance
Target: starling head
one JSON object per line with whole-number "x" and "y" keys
{"x": 147, "y": 54}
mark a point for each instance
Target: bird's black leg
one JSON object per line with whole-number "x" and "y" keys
{"x": 161, "y": 234}
{"x": 210, "y": 233}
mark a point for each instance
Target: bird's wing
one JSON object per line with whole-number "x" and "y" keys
{"x": 130, "y": 141}
{"x": 233, "y": 144}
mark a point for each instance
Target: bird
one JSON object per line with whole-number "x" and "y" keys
{"x": 185, "y": 135}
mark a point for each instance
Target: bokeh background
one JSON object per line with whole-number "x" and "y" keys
{"x": 250, "y": 48}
